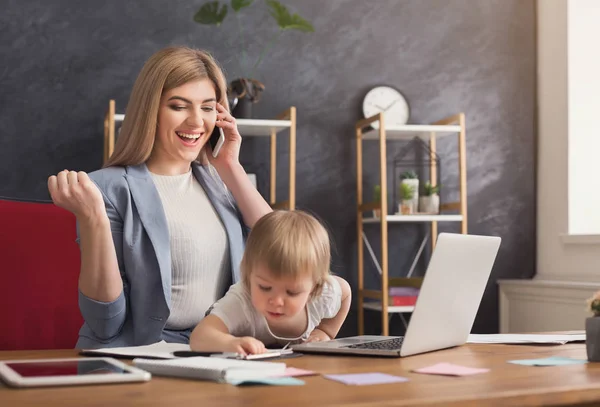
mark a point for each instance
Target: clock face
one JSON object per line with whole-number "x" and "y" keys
{"x": 388, "y": 100}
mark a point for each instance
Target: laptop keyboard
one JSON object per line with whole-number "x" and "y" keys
{"x": 387, "y": 344}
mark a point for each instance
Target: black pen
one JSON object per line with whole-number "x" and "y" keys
{"x": 192, "y": 353}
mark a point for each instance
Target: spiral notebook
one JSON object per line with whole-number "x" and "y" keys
{"x": 208, "y": 368}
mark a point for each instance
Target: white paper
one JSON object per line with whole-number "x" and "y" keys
{"x": 159, "y": 350}
{"x": 526, "y": 338}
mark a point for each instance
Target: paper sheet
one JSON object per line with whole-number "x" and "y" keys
{"x": 361, "y": 379}
{"x": 158, "y": 350}
{"x": 295, "y": 372}
{"x": 551, "y": 361}
{"x": 524, "y": 339}
{"x": 271, "y": 381}
{"x": 450, "y": 369}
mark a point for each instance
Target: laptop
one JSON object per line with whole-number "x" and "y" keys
{"x": 446, "y": 307}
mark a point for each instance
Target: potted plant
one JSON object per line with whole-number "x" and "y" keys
{"x": 246, "y": 89}
{"x": 430, "y": 201}
{"x": 407, "y": 193}
{"x": 411, "y": 178}
{"x": 377, "y": 200}
{"x": 592, "y": 328}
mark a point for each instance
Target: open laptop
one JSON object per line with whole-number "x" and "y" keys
{"x": 446, "y": 307}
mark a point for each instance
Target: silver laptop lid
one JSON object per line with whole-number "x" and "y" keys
{"x": 451, "y": 292}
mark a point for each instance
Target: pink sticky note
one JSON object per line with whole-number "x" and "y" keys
{"x": 449, "y": 369}
{"x": 293, "y": 372}
{"x": 361, "y": 379}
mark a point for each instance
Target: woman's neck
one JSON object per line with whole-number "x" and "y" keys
{"x": 166, "y": 167}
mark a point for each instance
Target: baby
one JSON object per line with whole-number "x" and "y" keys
{"x": 286, "y": 293}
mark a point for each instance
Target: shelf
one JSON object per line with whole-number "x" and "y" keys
{"x": 259, "y": 127}
{"x": 376, "y": 306}
{"x": 416, "y": 218}
{"x": 410, "y": 131}
{"x": 248, "y": 127}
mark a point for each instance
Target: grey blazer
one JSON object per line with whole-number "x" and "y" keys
{"x": 141, "y": 237}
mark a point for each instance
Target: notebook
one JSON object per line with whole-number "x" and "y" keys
{"x": 207, "y": 368}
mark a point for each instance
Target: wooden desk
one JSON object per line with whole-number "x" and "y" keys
{"x": 505, "y": 384}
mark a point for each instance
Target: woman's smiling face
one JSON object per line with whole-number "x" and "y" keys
{"x": 186, "y": 118}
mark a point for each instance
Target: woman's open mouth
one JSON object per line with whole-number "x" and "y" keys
{"x": 189, "y": 139}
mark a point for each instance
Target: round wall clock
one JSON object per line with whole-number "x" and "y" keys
{"x": 388, "y": 100}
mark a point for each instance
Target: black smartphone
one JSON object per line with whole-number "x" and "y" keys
{"x": 216, "y": 140}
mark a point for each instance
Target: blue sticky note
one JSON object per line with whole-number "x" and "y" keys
{"x": 362, "y": 379}
{"x": 551, "y": 361}
{"x": 271, "y": 381}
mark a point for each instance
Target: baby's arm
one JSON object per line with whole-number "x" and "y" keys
{"x": 212, "y": 335}
{"x": 329, "y": 328}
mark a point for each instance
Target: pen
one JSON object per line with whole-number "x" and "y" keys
{"x": 191, "y": 353}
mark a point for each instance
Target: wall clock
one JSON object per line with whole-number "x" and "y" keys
{"x": 388, "y": 100}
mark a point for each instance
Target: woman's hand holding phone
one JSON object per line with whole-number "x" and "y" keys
{"x": 226, "y": 130}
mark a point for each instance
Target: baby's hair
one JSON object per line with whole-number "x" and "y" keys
{"x": 288, "y": 243}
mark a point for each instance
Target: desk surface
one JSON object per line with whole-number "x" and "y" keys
{"x": 505, "y": 384}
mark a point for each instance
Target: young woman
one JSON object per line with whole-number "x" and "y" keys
{"x": 162, "y": 226}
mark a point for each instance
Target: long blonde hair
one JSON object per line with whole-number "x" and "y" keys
{"x": 165, "y": 70}
{"x": 288, "y": 243}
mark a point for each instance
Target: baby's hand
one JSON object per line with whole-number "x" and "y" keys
{"x": 318, "y": 336}
{"x": 246, "y": 345}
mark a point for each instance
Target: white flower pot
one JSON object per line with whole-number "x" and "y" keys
{"x": 406, "y": 207}
{"x": 414, "y": 183}
{"x": 430, "y": 204}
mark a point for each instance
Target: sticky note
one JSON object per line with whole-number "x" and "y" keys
{"x": 362, "y": 379}
{"x": 295, "y": 372}
{"x": 551, "y": 361}
{"x": 450, "y": 369}
{"x": 272, "y": 381}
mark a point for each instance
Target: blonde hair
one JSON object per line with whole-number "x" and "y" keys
{"x": 167, "y": 69}
{"x": 289, "y": 244}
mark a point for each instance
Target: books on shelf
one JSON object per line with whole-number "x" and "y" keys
{"x": 404, "y": 291}
{"x": 403, "y": 296}
{"x": 401, "y": 301}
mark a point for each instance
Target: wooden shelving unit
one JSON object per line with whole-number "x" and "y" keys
{"x": 247, "y": 128}
{"x": 450, "y": 126}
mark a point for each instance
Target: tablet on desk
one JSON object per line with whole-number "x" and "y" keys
{"x": 69, "y": 371}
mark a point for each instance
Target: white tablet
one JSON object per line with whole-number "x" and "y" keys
{"x": 68, "y": 372}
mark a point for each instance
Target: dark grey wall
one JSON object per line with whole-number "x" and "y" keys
{"x": 63, "y": 61}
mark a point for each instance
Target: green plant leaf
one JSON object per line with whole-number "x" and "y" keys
{"x": 377, "y": 193}
{"x": 287, "y": 21}
{"x": 237, "y": 5}
{"x": 406, "y": 191}
{"x": 210, "y": 13}
{"x": 409, "y": 175}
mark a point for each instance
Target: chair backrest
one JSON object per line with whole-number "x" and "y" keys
{"x": 39, "y": 269}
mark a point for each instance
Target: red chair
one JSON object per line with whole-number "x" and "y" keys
{"x": 39, "y": 269}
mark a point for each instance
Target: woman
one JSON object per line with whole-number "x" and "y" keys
{"x": 161, "y": 232}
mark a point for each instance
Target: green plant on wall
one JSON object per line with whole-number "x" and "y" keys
{"x": 215, "y": 12}
{"x": 429, "y": 189}
{"x": 377, "y": 193}
{"x": 409, "y": 175}
{"x": 407, "y": 192}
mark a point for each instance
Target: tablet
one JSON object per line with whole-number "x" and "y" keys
{"x": 69, "y": 372}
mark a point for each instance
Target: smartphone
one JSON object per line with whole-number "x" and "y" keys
{"x": 216, "y": 140}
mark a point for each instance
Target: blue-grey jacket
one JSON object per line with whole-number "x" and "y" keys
{"x": 141, "y": 237}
